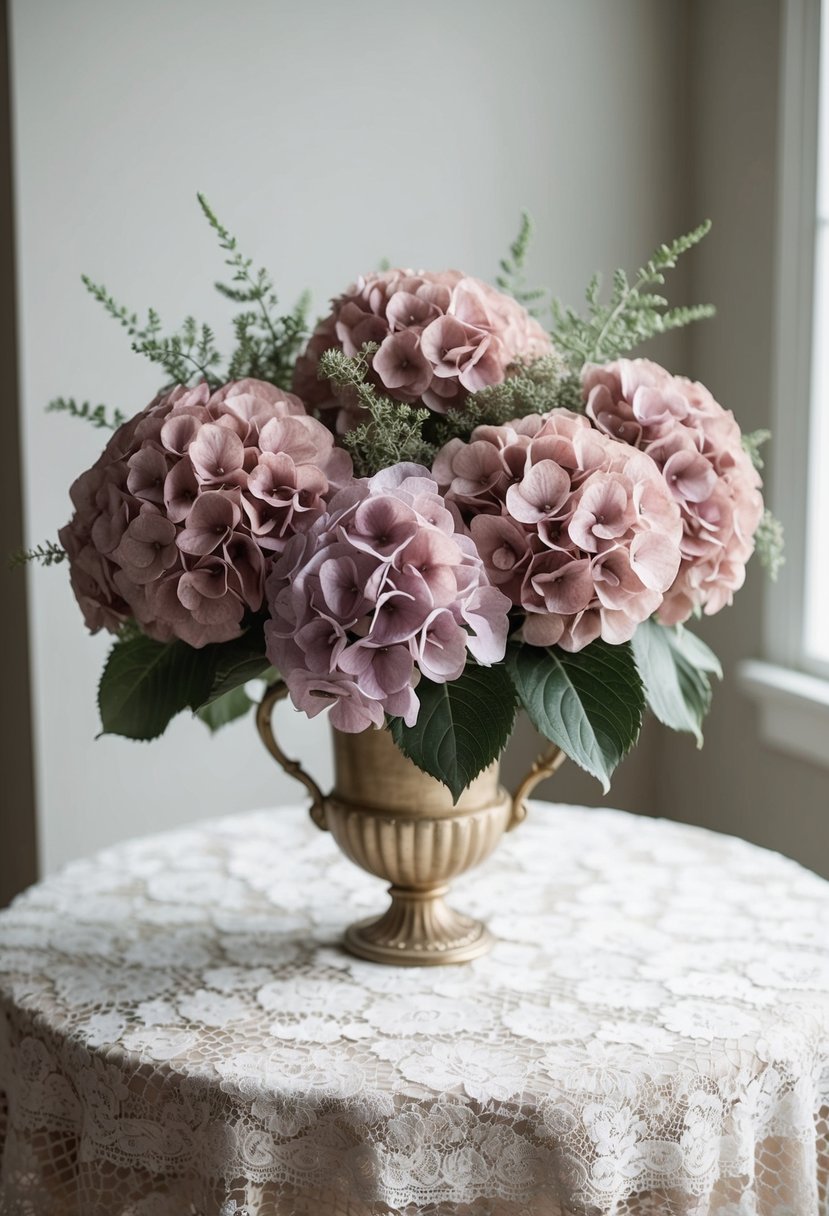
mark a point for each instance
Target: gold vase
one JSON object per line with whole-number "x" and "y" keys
{"x": 400, "y": 824}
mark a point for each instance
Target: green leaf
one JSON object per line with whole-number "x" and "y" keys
{"x": 694, "y": 650}
{"x": 146, "y": 683}
{"x": 674, "y": 665}
{"x": 590, "y": 704}
{"x": 234, "y": 663}
{"x": 461, "y": 727}
{"x": 224, "y": 709}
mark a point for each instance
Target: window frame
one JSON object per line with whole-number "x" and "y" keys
{"x": 791, "y": 687}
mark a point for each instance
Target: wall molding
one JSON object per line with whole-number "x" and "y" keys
{"x": 18, "y": 848}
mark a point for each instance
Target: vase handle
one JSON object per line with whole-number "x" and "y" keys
{"x": 275, "y": 693}
{"x": 547, "y": 763}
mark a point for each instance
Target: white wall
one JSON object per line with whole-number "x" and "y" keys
{"x": 328, "y": 136}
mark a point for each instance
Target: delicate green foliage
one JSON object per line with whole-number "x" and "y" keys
{"x": 633, "y": 313}
{"x": 97, "y": 415}
{"x": 266, "y": 342}
{"x": 461, "y": 727}
{"x": 48, "y": 554}
{"x": 768, "y": 541}
{"x": 752, "y": 442}
{"x": 511, "y": 278}
{"x": 533, "y": 388}
{"x": 129, "y": 320}
{"x": 185, "y": 354}
{"x": 674, "y": 665}
{"x": 350, "y": 373}
{"x": 227, "y": 708}
{"x": 590, "y": 704}
{"x": 392, "y": 432}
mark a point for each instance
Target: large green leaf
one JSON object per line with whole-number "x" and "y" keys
{"x": 145, "y": 683}
{"x": 590, "y": 704}
{"x": 674, "y": 666}
{"x": 234, "y": 663}
{"x": 694, "y": 650}
{"x": 461, "y": 727}
{"x": 224, "y": 709}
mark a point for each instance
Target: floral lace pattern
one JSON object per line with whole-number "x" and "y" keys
{"x": 181, "y": 1034}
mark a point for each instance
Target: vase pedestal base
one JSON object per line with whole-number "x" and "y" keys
{"x": 418, "y": 930}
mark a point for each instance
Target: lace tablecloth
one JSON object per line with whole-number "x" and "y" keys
{"x": 182, "y": 1035}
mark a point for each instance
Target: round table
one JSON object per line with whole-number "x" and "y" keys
{"x": 182, "y": 1034}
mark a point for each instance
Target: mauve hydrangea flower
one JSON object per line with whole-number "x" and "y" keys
{"x": 176, "y": 521}
{"x": 698, "y": 447}
{"x": 580, "y": 531}
{"x": 379, "y": 590}
{"x": 441, "y": 337}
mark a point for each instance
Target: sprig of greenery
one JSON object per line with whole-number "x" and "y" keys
{"x": 752, "y": 442}
{"x": 532, "y": 388}
{"x": 48, "y": 554}
{"x": 511, "y": 277}
{"x": 769, "y": 541}
{"x": 393, "y": 434}
{"x": 393, "y": 430}
{"x": 129, "y": 320}
{"x": 633, "y": 313}
{"x": 97, "y": 416}
{"x": 192, "y": 352}
{"x": 267, "y": 342}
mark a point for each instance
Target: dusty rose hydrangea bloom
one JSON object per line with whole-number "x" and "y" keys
{"x": 577, "y": 529}
{"x": 698, "y": 447}
{"x": 175, "y": 522}
{"x": 380, "y": 590}
{"x": 441, "y": 337}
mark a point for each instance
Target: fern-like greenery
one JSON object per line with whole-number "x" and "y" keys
{"x": 128, "y": 320}
{"x": 768, "y": 541}
{"x": 48, "y": 554}
{"x": 392, "y": 431}
{"x": 267, "y": 343}
{"x": 633, "y": 313}
{"x": 511, "y": 276}
{"x": 752, "y": 442}
{"x": 96, "y": 415}
{"x": 532, "y": 388}
{"x": 184, "y": 356}
{"x": 191, "y": 352}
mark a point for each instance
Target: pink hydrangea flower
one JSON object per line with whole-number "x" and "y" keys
{"x": 380, "y": 590}
{"x": 578, "y": 530}
{"x": 698, "y": 447}
{"x": 441, "y": 337}
{"x": 175, "y": 523}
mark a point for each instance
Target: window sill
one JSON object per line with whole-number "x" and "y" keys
{"x": 794, "y": 708}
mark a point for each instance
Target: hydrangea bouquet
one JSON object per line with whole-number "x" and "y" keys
{"x": 428, "y": 513}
